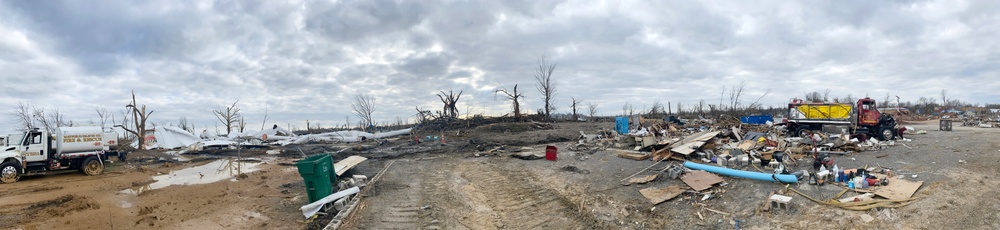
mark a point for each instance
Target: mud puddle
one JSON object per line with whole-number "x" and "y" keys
{"x": 208, "y": 173}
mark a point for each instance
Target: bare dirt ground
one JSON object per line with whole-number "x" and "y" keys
{"x": 430, "y": 186}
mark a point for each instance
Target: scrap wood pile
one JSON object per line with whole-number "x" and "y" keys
{"x": 765, "y": 154}
{"x": 730, "y": 143}
{"x": 982, "y": 121}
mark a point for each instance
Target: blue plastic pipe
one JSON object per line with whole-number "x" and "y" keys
{"x": 784, "y": 178}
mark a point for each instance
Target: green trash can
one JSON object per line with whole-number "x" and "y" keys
{"x": 316, "y": 171}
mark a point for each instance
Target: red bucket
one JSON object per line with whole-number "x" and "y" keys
{"x": 550, "y": 153}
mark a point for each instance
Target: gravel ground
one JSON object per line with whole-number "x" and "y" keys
{"x": 585, "y": 187}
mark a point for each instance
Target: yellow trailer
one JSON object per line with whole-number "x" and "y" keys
{"x": 825, "y": 111}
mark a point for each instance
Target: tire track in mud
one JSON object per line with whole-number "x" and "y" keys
{"x": 521, "y": 202}
{"x": 407, "y": 206}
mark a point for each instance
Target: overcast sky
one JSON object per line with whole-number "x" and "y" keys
{"x": 305, "y": 60}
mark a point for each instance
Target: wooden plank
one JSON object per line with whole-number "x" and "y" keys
{"x": 767, "y": 202}
{"x": 701, "y": 180}
{"x": 691, "y": 143}
{"x": 660, "y": 195}
{"x": 747, "y": 145}
{"x": 642, "y": 180}
{"x": 348, "y": 163}
{"x": 687, "y": 149}
{"x": 633, "y": 156}
{"x": 898, "y": 189}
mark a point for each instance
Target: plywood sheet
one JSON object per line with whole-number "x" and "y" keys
{"x": 898, "y": 189}
{"x": 642, "y": 180}
{"x": 701, "y": 180}
{"x": 633, "y": 156}
{"x": 348, "y": 163}
{"x": 659, "y": 195}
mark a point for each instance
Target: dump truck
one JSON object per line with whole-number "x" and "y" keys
{"x": 68, "y": 148}
{"x": 862, "y": 117}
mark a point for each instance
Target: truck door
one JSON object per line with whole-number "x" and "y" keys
{"x": 869, "y": 114}
{"x": 33, "y": 147}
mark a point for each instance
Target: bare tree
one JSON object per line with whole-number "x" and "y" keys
{"x": 591, "y": 109}
{"x": 229, "y": 116}
{"x": 184, "y": 124}
{"x": 104, "y": 115}
{"x": 512, "y": 96}
{"x": 628, "y": 109}
{"x": 885, "y": 101}
{"x": 756, "y": 103}
{"x": 422, "y": 115}
{"x": 22, "y": 112}
{"x": 48, "y": 122}
{"x": 657, "y": 108}
{"x": 544, "y": 84}
{"x": 364, "y": 106}
{"x": 734, "y": 97}
{"x": 450, "y": 101}
{"x": 139, "y": 117}
{"x": 701, "y": 106}
{"x": 243, "y": 124}
{"x": 944, "y": 97}
{"x": 814, "y": 97}
{"x": 576, "y": 116}
{"x": 826, "y": 95}
{"x": 849, "y": 99}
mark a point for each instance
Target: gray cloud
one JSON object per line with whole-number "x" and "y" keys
{"x": 304, "y": 60}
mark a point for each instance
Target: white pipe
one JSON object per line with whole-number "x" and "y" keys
{"x": 312, "y": 208}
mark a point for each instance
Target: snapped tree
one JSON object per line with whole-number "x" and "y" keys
{"x": 513, "y": 97}
{"x": 139, "y": 116}
{"x": 450, "y": 100}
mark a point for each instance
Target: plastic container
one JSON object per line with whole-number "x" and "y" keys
{"x": 550, "y": 152}
{"x": 621, "y": 125}
{"x": 316, "y": 171}
{"x": 757, "y": 119}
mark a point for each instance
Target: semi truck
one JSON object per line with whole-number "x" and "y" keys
{"x": 68, "y": 148}
{"x": 862, "y": 118}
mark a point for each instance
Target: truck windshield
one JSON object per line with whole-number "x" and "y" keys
{"x": 32, "y": 138}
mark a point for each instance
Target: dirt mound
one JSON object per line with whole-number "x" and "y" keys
{"x": 514, "y": 127}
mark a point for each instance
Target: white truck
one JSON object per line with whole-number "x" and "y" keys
{"x": 38, "y": 151}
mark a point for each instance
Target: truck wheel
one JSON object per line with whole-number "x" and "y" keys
{"x": 9, "y": 172}
{"x": 802, "y": 131}
{"x": 92, "y": 166}
{"x": 887, "y": 133}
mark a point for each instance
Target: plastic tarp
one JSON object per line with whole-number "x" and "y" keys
{"x": 170, "y": 137}
{"x": 344, "y": 136}
{"x": 783, "y": 178}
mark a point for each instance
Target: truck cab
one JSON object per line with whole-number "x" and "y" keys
{"x": 868, "y": 113}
